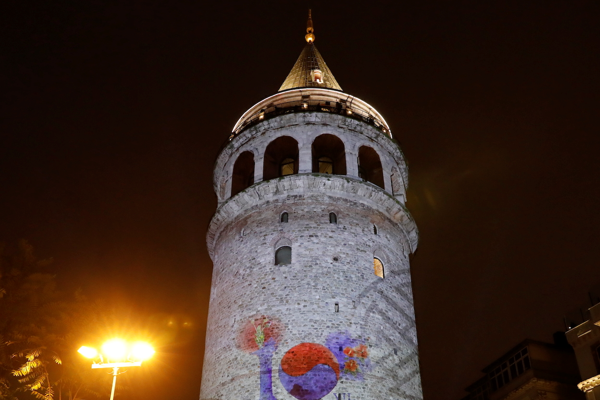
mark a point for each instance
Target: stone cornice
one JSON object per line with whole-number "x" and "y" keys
{"x": 253, "y": 198}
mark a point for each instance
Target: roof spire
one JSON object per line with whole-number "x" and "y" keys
{"x": 310, "y": 69}
{"x": 310, "y": 36}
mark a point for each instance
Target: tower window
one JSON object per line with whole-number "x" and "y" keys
{"x": 283, "y": 256}
{"x": 332, "y": 218}
{"x": 375, "y": 229}
{"x": 317, "y": 75}
{"x": 287, "y": 167}
{"x": 284, "y": 217}
{"x": 328, "y": 155}
{"x": 378, "y": 267}
{"x": 337, "y": 307}
{"x": 369, "y": 166}
{"x": 243, "y": 173}
{"x": 281, "y": 158}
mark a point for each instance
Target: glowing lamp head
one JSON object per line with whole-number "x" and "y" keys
{"x": 115, "y": 349}
{"x": 88, "y": 352}
{"x": 142, "y": 351}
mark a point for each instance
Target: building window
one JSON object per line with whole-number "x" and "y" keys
{"x": 328, "y": 155}
{"x": 337, "y": 307}
{"x": 281, "y": 158}
{"x": 509, "y": 369}
{"x": 369, "y": 166}
{"x": 243, "y": 173}
{"x": 284, "y": 217}
{"x": 480, "y": 392}
{"x": 332, "y": 218}
{"x": 378, "y": 267}
{"x": 375, "y": 231}
{"x": 283, "y": 256}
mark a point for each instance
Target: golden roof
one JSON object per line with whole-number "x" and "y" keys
{"x": 310, "y": 69}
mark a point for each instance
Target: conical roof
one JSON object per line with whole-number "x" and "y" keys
{"x": 310, "y": 70}
{"x": 305, "y": 72}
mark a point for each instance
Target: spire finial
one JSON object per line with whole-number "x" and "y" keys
{"x": 310, "y": 36}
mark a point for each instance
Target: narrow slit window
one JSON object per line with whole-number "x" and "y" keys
{"x": 284, "y": 217}
{"x": 332, "y": 218}
{"x": 378, "y": 267}
{"x": 337, "y": 307}
{"x": 375, "y": 229}
{"x": 283, "y": 256}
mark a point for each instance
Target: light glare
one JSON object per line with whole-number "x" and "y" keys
{"x": 88, "y": 352}
{"x": 142, "y": 351}
{"x": 115, "y": 349}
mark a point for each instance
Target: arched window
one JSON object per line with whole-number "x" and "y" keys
{"x": 281, "y": 158}
{"x": 284, "y": 217}
{"x": 369, "y": 166}
{"x": 378, "y": 267}
{"x": 375, "y": 231}
{"x": 332, "y": 218}
{"x": 243, "y": 173}
{"x": 283, "y": 256}
{"x": 328, "y": 155}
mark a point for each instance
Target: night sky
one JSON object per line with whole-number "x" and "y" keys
{"x": 112, "y": 115}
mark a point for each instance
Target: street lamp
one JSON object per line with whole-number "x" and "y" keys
{"x": 116, "y": 353}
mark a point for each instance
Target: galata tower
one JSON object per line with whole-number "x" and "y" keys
{"x": 311, "y": 289}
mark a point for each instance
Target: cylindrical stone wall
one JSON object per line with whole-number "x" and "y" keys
{"x": 324, "y": 326}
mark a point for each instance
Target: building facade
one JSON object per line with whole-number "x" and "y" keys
{"x": 585, "y": 339}
{"x": 311, "y": 291}
{"x": 532, "y": 370}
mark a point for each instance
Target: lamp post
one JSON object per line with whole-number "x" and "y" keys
{"x": 118, "y": 354}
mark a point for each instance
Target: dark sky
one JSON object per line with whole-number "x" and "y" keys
{"x": 112, "y": 114}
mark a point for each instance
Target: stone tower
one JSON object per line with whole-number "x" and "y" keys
{"x": 311, "y": 290}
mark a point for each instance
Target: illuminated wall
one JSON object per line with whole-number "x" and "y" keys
{"x": 331, "y": 322}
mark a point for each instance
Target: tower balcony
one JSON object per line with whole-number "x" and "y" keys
{"x": 311, "y": 100}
